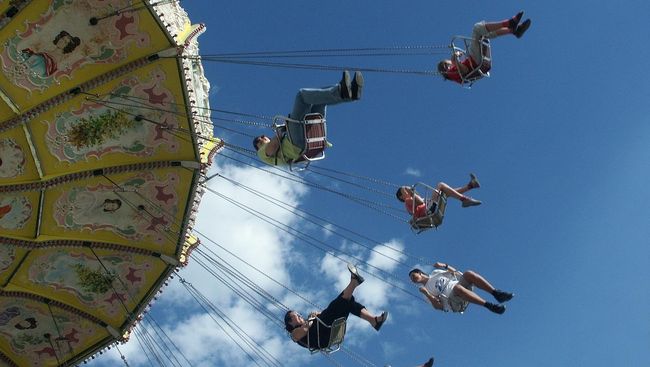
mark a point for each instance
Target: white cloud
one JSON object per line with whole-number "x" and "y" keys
{"x": 413, "y": 172}
{"x": 273, "y": 252}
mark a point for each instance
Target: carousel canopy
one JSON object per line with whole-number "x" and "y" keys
{"x": 104, "y": 137}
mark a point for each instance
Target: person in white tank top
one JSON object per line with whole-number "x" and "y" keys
{"x": 450, "y": 290}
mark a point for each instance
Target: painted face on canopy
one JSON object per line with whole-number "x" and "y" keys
{"x": 111, "y": 205}
{"x": 64, "y": 41}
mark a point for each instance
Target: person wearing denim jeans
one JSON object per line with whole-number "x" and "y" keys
{"x": 284, "y": 150}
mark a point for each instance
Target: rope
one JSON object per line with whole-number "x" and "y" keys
{"x": 206, "y": 304}
{"x": 256, "y": 269}
{"x": 312, "y": 242}
{"x": 330, "y": 51}
{"x": 371, "y": 179}
{"x": 122, "y": 356}
{"x": 170, "y": 340}
{"x": 279, "y": 203}
{"x": 364, "y": 202}
{"x": 323, "y": 67}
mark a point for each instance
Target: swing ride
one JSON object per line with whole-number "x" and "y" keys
{"x": 106, "y": 135}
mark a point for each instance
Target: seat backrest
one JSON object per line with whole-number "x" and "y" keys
{"x": 432, "y": 220}
{"x": 482, "y": 69}
{"x": 315, "y": 137}
{"x": 337, "y": 334}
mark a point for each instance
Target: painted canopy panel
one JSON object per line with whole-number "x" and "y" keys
{"x": 56, "y": 48}
{"x": 141, "y": 209}
{"x": 76, "y": 276}
{"x": 129, "y": 120}
{"x": 24, "y": 324}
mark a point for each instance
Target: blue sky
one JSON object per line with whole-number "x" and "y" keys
{"x": 559, "y": 137}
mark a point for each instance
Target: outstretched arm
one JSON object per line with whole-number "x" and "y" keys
{"x": 440, "y": 265}
{"x": 435, "y": 300}
{"x": 462, "y": 69}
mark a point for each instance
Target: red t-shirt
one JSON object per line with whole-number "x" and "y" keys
{"x": 452, "y": 72}
{"x": 420, "y": 210}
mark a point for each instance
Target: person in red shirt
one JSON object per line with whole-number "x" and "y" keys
{"x": 416, "y": 206}
{"x": 460, "y": 70}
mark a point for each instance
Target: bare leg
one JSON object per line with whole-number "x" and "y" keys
{"x": 347, "y": 292}
{"x": 366, "y": 315}
{"x": 497, "y": 28}
{"x": 456, "y": 194}
{"x": 476, "y": 279}
{"x": 462, "y": 189}
{"x": 468, "y": 295}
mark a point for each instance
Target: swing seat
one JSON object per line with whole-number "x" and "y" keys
{"x": 432, "y": 219}
{"x": 479, "y": 71}
{"x": 337, "y": 334}
{"x": 313, "y": 130}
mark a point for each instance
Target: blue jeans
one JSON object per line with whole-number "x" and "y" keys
{"x": 311, "y": 100}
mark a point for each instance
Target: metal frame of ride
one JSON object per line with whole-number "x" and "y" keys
{"x": 476, "y": 73}
{"x": 314, "y": 130}
{"x": 337, "y": 334}
{"x": 431, "y": 220}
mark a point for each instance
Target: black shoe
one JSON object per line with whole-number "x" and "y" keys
{"x": 429, "y": 363}
{"x": 379, "y": 320}
{"x": 522, "y": 28}
{"x": 514, "y": 21}
{"x": 355, "y": 273}
{"x": 500, "y": 309}
{"x": 473, "y": 182}
{"x": 346, "y": 88}
{"x": 502, "y": 296}
{"x": 357, "y": 85}
{"x": 470, "y": 202}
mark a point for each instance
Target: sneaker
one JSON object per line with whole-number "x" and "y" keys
{"x": 354, "y": 273}
{"x": 502, "y": 296}
{"x": 473, "y": 182}
{"x": 379, "y": 320}
{"x": 514, "y": 21}
{"x": 522, "y": 28}
{"x": 500, "y": 309}
{"x": 470, "y": 202}
{"x": 357, "y": 85}
{"x": 345, "y": 86}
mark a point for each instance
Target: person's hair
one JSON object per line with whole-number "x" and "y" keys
{"x": 74, "y": 41}
{"x": 287, "y": 320}
{"x": 257, "y": 140}
{"x": 117, "y": 202}
{"x": 442, "y": 69}
{"x": 399, "y": 194}
{"x": 415, "y": 270}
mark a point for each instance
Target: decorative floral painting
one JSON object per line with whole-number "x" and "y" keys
{"x": 135, "y": 119}
{"x": 81, "y": 275}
